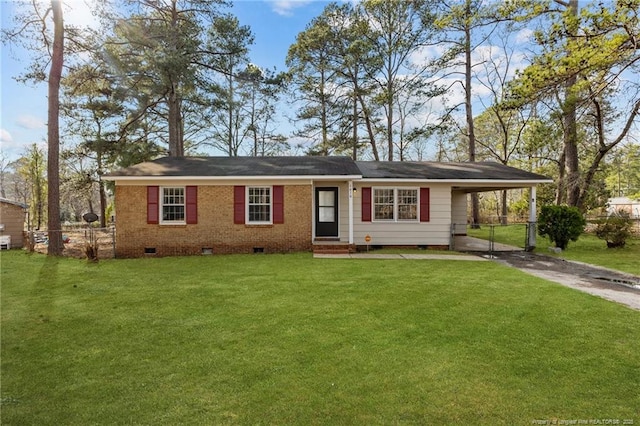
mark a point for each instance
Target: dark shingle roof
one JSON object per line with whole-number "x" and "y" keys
{"x": 443, "y": 171}
{"x": 322, "y": 166}
{"x": 242, "y": 167}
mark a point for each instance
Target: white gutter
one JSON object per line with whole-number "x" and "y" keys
{"x": 358, "y": 178}
{"x": 227, "y": 178}
{"x": 459, "y": 181}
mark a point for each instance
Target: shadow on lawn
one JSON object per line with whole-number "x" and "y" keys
{"x": 47, "y": 278}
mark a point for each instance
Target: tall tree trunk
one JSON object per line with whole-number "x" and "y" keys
{"x": 570, "y": 140}
{"x": 176, "y": 140}
{"x": 369, "y": 126}
{"x": 230, "y": 114}
{"x": 605, "y": 148}
{"x": 475, "y": 205}
{"x": 570, "y": 132}
{"x": 176, "y": 147}
{"x": 354, "y": 153}
{"x": 55, "y": 246}
{"x": 323, "y": 115}
{"x": 390, "y": 116}
{"x": 560, "y": 191}
{"x": 36, "y": 178}
{"x": 101, "y": 190}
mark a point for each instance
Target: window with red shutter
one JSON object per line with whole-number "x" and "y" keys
{"x": 153, "y": 209}
{"x": 425, "y": 204}
{"x": 366, "y": 204}
{"x": 192, "y": 204}
{"x": 238, "y": 205}
{"x": 278, "y": 204}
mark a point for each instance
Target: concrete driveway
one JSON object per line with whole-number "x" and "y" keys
{"x": 606, "y": 283}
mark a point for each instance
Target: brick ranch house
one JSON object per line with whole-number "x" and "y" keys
{"x": 203, "y": 205}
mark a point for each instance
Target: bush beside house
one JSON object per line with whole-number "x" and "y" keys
{"x": 561, "y": 224}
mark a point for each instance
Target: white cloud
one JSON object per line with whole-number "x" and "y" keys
{"x": 11, "y": 147}
{"x": 5, "y": 137}
{"x": 30, "y": 122}
{"x": 524, "y": 36}
{"x": 78, "y": 13}
{"x": 286, "y": 7}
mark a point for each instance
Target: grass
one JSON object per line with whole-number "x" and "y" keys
{"x": 588, "y": 248}
{"x": 288, "y": 339}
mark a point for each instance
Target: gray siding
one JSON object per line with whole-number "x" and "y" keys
{"x": 434, "y": 232}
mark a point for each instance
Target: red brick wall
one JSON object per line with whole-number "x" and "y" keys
{"x": 215, "y": 228}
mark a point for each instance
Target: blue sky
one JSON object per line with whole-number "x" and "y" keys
{"x": 275, "y": 24}
{"x": 23, "y": 108}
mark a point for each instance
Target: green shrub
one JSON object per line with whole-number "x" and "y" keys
{"x": 615, "y": 229}
{"x": 561, "y": 224}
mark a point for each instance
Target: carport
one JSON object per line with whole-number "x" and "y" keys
{"x": 506, "y": 179}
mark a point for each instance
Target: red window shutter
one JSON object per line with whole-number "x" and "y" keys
{"x": 192, "y": 204}
{"x": 366, "y": 204}
{"x": 278, "y": 204}
{"x": 238, "y": 204}
{"x": 424, "y": 204}
{"x": 153, "y": 210}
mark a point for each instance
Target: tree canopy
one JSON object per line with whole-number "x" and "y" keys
{"x": 547, "y": 85}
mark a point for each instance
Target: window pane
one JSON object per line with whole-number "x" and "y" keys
{"x": 173, "y": 204}
{"x": 173, "y": 213}
{"x": 259, "y": 195}
{"x": 383, "y": 196}
{"x": 173, "y": 195}
{"x": 259, "y": 213}
{"x": 326, "y": 198}
{"x": 259, "y": 204}
{"x": 384, "y": 212}
{"x": 407, "y": 204}
{"x": 407, "y": 212}
{"x": 327, "y": 214}
{"x": 383, "y": 204}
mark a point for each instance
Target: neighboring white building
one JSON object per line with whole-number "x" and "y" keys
{"x": 624, "y": 204}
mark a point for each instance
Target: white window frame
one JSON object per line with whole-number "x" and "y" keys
{"x": 395, "y": 204}
{"x": 161, "y": 206}
{"x": 248, "y": 205}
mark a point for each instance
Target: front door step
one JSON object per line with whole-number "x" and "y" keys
{"x": 331, "y": 248}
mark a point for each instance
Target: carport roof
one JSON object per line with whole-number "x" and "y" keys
{"x": 449, "y": 171}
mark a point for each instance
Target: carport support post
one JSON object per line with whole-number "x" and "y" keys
{"x": 350, "y": 190}
{"x": 531, "y": 229}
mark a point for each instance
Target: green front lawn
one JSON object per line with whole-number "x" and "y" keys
{"x": 288, "y": 339}
{"x": 588, "y": 248}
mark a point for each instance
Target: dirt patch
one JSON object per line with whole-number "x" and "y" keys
{"x": 75, "y": 243}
